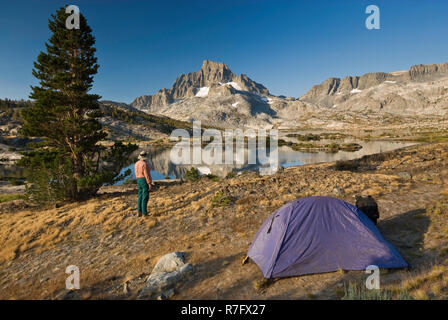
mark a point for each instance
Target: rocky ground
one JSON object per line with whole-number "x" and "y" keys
{"x": 213, "y": 222}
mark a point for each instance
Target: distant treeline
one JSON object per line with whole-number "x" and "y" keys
{"x": 6, "y": 104}
{"x": 10, "y": 109}
{"x": 160, "y": 123}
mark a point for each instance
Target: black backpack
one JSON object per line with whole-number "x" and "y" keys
{"x": 369, "y": 206}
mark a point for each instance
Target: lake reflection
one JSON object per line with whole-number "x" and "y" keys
{"x": 159, "y": 159}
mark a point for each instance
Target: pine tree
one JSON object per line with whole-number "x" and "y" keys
{"x": 69, "y": 163}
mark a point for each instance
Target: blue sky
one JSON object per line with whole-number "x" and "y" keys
{"x": 286, "y": 45}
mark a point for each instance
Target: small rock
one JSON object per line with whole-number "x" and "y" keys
{"x": 67, "y": 295}
{"x": 169, "y": 262}
{"x": 273, "y": 169}
{"x": 405, "y": 175}
{"x": 44, "y": 280}
{"x": 141, "y": 275}
{"x": 168, "y": 272}
{"x": 339, "y": 191}
{"x": 168, "y": 293}
{"x": 126, "y": 287}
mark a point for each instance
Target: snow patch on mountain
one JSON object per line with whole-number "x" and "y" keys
{"x": 202, "y": 92}
{"x": 233, "y": 84}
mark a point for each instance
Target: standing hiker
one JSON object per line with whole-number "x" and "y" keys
{"x": 144, "y": 180}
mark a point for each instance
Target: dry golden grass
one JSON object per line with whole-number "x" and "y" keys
{"x": 432, "y": 282}
{"x": 111, "y": 241}
{"x": 420, "y": 295}
{"x": 444, "y": 191}
{"x": 42, "y": 230}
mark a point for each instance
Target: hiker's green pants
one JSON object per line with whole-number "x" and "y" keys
{"x": 143, "y": 196}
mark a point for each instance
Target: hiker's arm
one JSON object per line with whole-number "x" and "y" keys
{"x": 147, "y": 173}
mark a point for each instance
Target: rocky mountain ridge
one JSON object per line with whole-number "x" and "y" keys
{"x": 325, "y": 94}
{"x": 213, "y": 76}
{"x": 218, "y": 97}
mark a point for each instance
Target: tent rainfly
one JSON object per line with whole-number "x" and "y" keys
{"x": 317, "y": 235}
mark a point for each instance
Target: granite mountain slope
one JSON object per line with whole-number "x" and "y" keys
{"x": 217, "y": 96}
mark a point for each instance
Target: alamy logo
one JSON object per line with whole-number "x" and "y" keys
{"x": 72, "y": 21}
{"x": 373, "y": 281}
{"x": 72, "y": 281}
{"x": 373, "y": 21}
{"x": 221, "y": 151}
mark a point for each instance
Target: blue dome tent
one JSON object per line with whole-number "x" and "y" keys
{"x": 317, "y": 235}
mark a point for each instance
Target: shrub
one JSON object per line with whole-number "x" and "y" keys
{"x": 52, "y": 178}
{"x": 220, "y": 199}
{"x": 342, "y": 165}
{"x": 130, "y": 181}
{"x": 231, "y": 174}
{"x": 11, "y": 197}
{"x": 350, "y": 147}
{"x": 192, "y": 174}
{"x": 262, "y": 284}
{"x": 280, "y": 143}
{"x": 305, "y": 137}
{"x": 15, "y": 181}
{"x": 332, "y": 146}
{"x": 212, "y": 177}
